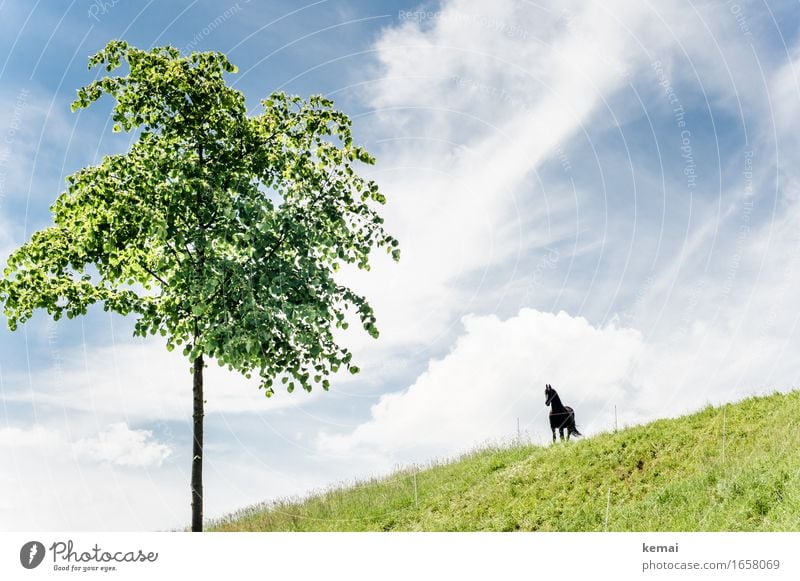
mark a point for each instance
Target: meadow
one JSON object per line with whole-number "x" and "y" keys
{"x": 730, "y": 468}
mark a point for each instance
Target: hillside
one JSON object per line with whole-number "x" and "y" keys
{"x": 669, "y": 475}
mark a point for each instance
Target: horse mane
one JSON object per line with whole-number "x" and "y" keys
{"x": 555, "y": 403}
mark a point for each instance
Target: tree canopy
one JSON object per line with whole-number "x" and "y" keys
{"x": 219, "y": 230}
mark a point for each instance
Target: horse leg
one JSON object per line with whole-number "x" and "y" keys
{"x": 561, "y": 433}
{"x": 554, "y": 435}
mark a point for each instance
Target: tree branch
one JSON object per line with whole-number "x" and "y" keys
{"x": 155, "y": 276}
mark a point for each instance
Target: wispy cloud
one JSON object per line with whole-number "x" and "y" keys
{"x": 535, "y": 163}
{"x": 139, "y": 380}
{"x": 698, "y": 281}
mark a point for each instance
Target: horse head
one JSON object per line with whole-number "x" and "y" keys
{"x": 549, "y": 394}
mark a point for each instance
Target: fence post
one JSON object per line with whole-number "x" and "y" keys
{"x": 724, "y": 433}
{"x": 615, "y": 418}
{"x": 416, "y": 497}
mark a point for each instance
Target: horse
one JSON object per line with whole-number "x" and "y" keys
{"x": 561, "y": 417}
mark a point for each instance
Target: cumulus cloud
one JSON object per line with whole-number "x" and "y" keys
{"x": 120, "y": 445}
{"x": 530, "y": 157}
{"x": 54, "y": 479}
{"x": 494, "y": 374}
{"x": 121, "y": 478}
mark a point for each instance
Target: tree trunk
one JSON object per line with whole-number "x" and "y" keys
{"x": 197, "y": 449}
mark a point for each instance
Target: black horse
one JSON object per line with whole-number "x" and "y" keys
{"x": 561, "y": 417}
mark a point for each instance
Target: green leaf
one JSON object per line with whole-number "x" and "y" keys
{"x": 221, "y": 231}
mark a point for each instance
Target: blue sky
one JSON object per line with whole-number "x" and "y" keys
{"x": 600, "y": 196}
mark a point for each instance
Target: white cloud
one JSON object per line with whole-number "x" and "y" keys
{"x": 120, "y": 445}
{"x": 120, "y": 478}
{"x": 47, "y": 483}
{"x": 6, "y": 241}
{"x": 785, "y": 113}
{"x": 468, "y": 105}
{"x": 467, "y": 109}
{"x": 497, "y": 370}
{"x": 37, "y": 438}
{"x": 139, "y": 380}
{"x": 495, "y": 374}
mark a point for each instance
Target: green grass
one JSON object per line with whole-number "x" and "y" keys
{"x": 665, "y": 476}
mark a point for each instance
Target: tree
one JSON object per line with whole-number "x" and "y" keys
{"x": 220, "y": 231}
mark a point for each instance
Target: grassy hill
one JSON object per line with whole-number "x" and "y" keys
{"x": 669, "y": 475}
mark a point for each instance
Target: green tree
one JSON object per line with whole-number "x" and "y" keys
{"x": 217, "y": 230}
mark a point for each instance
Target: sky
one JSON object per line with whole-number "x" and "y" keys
{"x": 602, "y": 196}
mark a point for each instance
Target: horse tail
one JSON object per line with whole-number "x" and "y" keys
{"x": 572, "y": 428}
